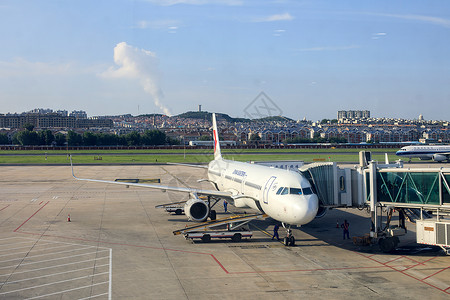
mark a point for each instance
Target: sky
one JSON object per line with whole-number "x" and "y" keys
{"x": 246, "y": 58}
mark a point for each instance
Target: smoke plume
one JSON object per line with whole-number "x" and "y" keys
{"x": 138, "y": 64}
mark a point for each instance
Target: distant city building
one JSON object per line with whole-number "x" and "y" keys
{"x": 52, "y": 120}
{"x": 63, "y": 113}
{"x": 353, "y": 127}
{"x": 48, "y": 120}
{"x": 94, "y": 123}
{"x": 41, "y": 111}
{"x": 78, "y": 114}
{"x": 353, "y": 114}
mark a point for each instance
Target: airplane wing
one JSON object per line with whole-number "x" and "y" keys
{"x": 188, "y": 165}
{"x": 220, "y": 194}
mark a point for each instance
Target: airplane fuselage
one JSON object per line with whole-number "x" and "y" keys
{"x": 426, "y": 152}
{"x": 284, "y": 195}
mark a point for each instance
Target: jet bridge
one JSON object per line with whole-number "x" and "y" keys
{"x": 420, "y": 194}
{"x": 415, "y": 194}
{"x": 332, "y": 184}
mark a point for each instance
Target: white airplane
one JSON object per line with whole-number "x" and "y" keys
{"x": 426, "y": 152}
{"x": 284, "y": 195}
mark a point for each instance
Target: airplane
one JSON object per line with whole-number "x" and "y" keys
{"x": 284, "y": 195}
{"x": 437, "y": 153}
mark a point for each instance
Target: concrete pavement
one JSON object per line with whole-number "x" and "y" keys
{"x": 118, "y": 245}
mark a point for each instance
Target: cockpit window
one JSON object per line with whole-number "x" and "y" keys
{"x": 307, "y": 191}
{"x": 295, "y": 191}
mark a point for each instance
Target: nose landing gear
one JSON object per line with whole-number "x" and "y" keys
{"x": 289, "y": 240}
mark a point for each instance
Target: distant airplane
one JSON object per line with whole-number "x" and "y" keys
{"x": 437, "y": 153}
{"x": 284, "y": 195}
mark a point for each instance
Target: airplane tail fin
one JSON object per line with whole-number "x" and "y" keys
{"x": 217, "y": 154}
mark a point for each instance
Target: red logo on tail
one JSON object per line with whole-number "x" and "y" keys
{"x": 215, "y": 140}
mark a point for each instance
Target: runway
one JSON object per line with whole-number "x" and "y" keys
{"x": 117, "y": 245}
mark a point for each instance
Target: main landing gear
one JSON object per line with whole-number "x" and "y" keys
{"x": 289, "y": 240}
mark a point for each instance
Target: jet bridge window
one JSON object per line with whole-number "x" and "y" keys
{"x": 408, "y": 187}
{"x": 342, "y": 183}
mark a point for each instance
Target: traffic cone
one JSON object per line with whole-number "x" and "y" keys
{"x": 68, "y": 218}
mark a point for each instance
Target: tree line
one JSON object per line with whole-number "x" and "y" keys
{"x": 29, "y": 137}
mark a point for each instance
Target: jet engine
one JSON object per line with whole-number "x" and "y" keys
{"x": 439, "y": 157}
{"x": 321, "y": 212}
{"x": 196, "y": 209}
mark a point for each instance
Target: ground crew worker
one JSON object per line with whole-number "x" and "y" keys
{"x": 345, "y": 228}
{"x": 275, "y": 232}
{"x": 225, "y": 205}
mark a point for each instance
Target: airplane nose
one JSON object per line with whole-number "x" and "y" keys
{"x": 304, "y": 210}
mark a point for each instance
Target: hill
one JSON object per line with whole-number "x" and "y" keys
{"x": 204, "y": 115}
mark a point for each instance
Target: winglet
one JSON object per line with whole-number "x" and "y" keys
{"x": 217, "y": 154}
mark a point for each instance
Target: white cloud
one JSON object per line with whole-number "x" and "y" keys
{"x": 196, "y": 2}
{"x": 378, "y": 35}
{"x": 278, "y": 32}
{"x": 173, "y": 29}
{"x": 427, "y": 19}
{"x": 328, "y": 48}
{"x": 158, "y": 24}
{"x": 139, "y": 64}
{"x": 275, "y": 18}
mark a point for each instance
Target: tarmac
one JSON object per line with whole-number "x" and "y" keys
{"x": 117, "y": 245}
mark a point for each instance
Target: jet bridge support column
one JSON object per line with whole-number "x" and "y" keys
{"x": 386, "y": 238}
{"x": 373, "y": 198}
